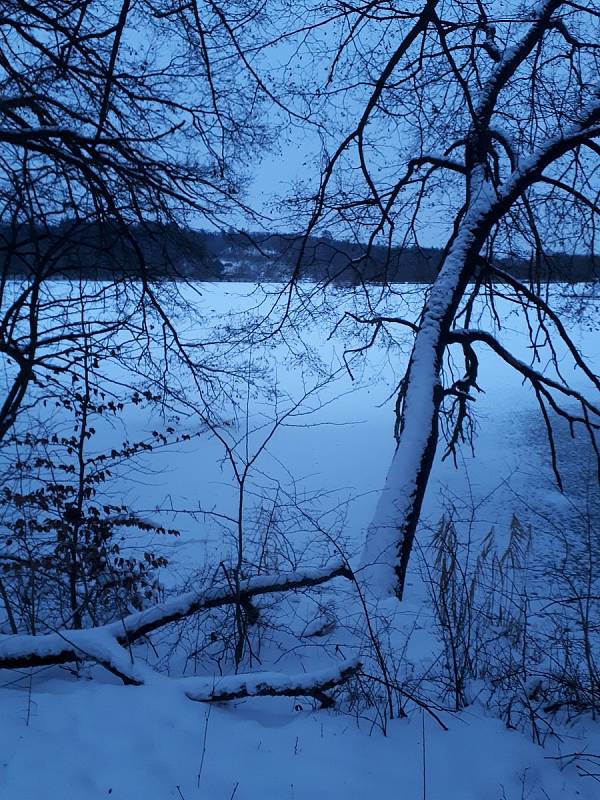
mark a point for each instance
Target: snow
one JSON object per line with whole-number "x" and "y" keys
{"x": 62, "y": 737}
{"x": 91, "y": 742}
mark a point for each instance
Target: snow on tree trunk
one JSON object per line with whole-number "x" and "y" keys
{"x": 391, "y": 533}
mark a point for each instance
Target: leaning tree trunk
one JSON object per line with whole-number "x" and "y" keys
{"x": 391, "y": 533}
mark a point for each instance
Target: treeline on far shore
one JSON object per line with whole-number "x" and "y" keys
{"x": 105, "y": 251}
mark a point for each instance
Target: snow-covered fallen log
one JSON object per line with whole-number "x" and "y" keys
{"x": 271, "y": 684}
{"x": 106, "y": 644}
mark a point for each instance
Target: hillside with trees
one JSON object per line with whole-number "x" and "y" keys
{"x": 168, "y": 252}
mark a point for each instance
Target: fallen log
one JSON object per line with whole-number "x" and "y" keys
{"x": 107, "y": 644}
{"x": 271, "y": 684}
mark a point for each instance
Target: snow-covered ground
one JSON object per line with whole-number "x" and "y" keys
{"x": 321, "y": 471}
{"x": 89, "y": 741}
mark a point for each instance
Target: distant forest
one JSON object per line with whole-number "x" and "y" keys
{"x": 102, "y": 252}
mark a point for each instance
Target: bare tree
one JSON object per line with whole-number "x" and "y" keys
{"x": 116, "y": 119}
{"x": 483, "y": 123}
